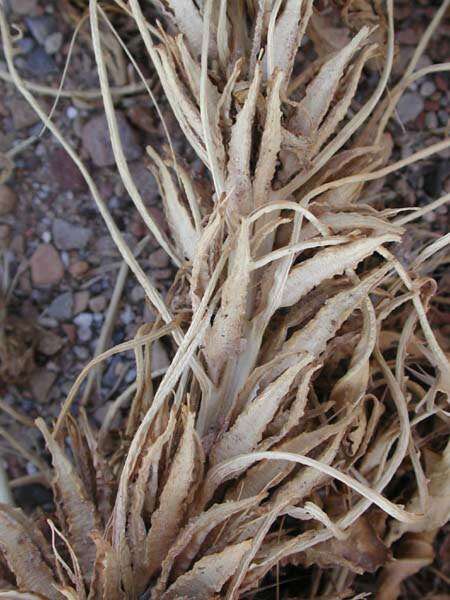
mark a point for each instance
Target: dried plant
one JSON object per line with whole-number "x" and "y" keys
{"x": 306, "y": 380}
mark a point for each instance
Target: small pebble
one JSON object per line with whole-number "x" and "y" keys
{"x": 83, "y": 320}
{"x": 71, "y": 113}
{"x": 409, "y": 107}
{"x": 427, "y": 88}
{"x": 127, "y": 315}
{"x": 8, "y": 200}
{"x": 46, "y": 266}
{"x": 97, "y": 304}
{"x": 53, "y": 42}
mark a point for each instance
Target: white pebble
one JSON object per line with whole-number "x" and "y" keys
{"x": 71, "y": 112}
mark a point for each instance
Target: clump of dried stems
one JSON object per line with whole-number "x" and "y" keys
{"x": 300, "y": 420}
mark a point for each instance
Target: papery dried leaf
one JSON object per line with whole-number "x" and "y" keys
{"x": 328, "y": 263}
{"x": 187, "y": 114}
{"x": 170, "y": 514}
{"x": 225, "y": 337}
{"x": 178, "y": 218}
{"x": 287, "y": 35}
{"x": 191, "y": 538}
{"x": 209, "y": 574}
{"x": 205, "y": 251}
{"x": 342, "y": 221}
{"x": 186, "y": 16}
{"x": 302, "y": 484}
{"x": 106, "y": 578}
{"x": 362, "y": 551}
{"x": 238, "y": 183}
{"x": 339, "y": 111}
{"x": 269, "y": 473}
{"x": 80, "y": 518}
{"x": 270, "y": 143}
{"x": 312, "y": 109}
{"x": 314, "y": 336}
{"x": 249, "y": 426}
{"x": 415, "y": 553}
{"x": 25, "y": 558}
{"x": 144, "y": 493}
{"x": 438, "y": 510}
{"x": 351, "y": 386}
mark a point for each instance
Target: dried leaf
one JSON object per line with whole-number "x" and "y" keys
{"x": 328, "y": 263}
{"x": 79, "y": 514}
{"x": 312, "y": 109}
{"x": 250, "y": 425}
{"x": 238, "y": 183}
{"x": 209, "y": 574}
{"x": 25, "y": 557}
{"x": 178, "y": 218}
{"x": 169, "y": 516}
{"x": 106, "y": 580}
{"x": 191, "y": 538}
{"x": 226, "y": 334}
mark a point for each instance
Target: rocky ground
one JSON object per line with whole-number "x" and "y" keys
{"x": 53, "y": 238}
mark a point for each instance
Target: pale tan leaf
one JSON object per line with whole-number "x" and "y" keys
{"x": 78, "y": 511}
{"x": 270, "y": 143}
{"x": 339, "y": 111}
{"x": 269, "y": 473}
{"x": 178, "y": 218}
{"x": 189, "y": 541}
{"x": 24, "y": 557}
{"x": 186, "y": 112}
{"x": 320, "y": 92}
{"x": 106, "y": 579}
{"x": 225, "y": 337}
{"x": 328, "y": 263}
{"x": 307, "y": 479}
{"x": 185, "y": 15}
{"x": 342, "y": 221}
{"x": 361, "y": 552}
{"x": 287, "y": 35}
{"x": 144, "y": 493}
{"x": 209, "y": 574}
{"x": 250, "y": 425}
{"x": 238, "y": 183}
{"x": 314, "y": 336}
{"x": 169, "y": 516}
{"x": 415, "y": 552}
{"x": 203, "y": 262}
{"x": 438, "y": 511}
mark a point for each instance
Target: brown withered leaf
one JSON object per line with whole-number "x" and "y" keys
{"x": 78, "y": 512}
{"x": 209, "y": 574}
{"x": 415, "y": 553}
{"x": 361, "y": 552}
{"x": 27, "y": 553}
{"x": 170, "y": 515}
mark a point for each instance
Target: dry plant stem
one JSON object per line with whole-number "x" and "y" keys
{"x": 150, "y": 290}
{"x": 5, "y": 488}
{"x": 113, "y": 127}
{"x": 126, "y": 346}
{"x": 420, "y": 49}
{"x": 27, "y": 455}
{"x": 354, "y": 124}
{"x": 365, "y": 177}
{"x": 212, "y": 159}
{"x": 420, "y": 212}
{"x": 110, "y": 317}
{"x": 15, "y": 414}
